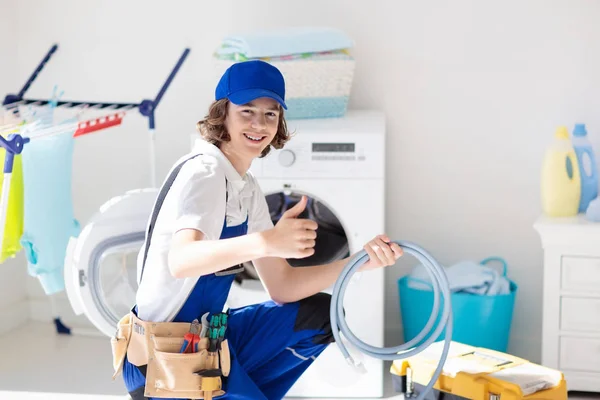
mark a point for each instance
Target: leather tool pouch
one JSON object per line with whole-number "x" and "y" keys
{"x": 120, "y": 342}
{"x": 170, "y": 374}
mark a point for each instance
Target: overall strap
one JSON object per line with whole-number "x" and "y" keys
{"x": 158, "y": 204}
{"x": 236, "y": 268}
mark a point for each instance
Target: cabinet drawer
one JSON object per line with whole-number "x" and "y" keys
{"x": 580, "y": 273}
{"x": 580, "y": 314}
{"x": 580, "y": 354}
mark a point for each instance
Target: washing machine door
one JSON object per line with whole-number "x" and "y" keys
{"x": 101, "y": 264}
{"x": 331, "y": 245}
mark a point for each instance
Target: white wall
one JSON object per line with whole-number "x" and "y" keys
{"x": 473, "y": 92}
{"x": 13, "y": 294}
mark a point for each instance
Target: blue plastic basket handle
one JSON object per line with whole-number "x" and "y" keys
{"x": 499, "y": 259}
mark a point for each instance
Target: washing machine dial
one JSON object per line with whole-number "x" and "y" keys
{"x": 287, "y": 158}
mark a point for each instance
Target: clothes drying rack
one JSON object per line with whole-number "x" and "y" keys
{"x": 16, "y": 142}
{"x": 145, "y": 107}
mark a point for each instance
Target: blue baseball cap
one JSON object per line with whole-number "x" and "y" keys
{"x": 248, "y": 80}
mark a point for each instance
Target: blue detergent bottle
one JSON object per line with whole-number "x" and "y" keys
{"x": 588, "y": 169}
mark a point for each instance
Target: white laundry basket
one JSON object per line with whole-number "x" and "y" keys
{"x": 316, "y": 86}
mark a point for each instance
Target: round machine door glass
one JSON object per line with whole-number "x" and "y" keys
{"x": 114, "y": 280}
{"x": 331, "y": 243}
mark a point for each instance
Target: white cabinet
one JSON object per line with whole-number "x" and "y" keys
{"x": 571, "y": 302}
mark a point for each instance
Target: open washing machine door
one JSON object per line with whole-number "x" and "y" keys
{"x": 331, "y": 245}
{"x": 101, "y": 263}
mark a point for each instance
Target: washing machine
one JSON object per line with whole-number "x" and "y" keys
{"x": 339, "y": 164}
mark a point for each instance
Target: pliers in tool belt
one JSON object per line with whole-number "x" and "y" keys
{"x": 191, "y": 339}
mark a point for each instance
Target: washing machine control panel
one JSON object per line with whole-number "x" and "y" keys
{"x": 309, "y": 155}
{"x": 331, "y": 151}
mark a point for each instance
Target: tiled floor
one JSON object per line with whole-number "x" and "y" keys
{"x": 77, "y": 367}
{"x": 66, "y": 396}
{"x": 60, "y": 364}
{"x": 71, "y": 367}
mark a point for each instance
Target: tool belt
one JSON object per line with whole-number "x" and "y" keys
{"x": 170, "y": 373}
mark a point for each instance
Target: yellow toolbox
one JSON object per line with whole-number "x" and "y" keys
{"x": 476, "y": 373}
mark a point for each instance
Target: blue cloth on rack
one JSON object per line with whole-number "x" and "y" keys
{"x": 465, "y": 277}
{"x": 295, "y": 40}
{"x": 48, "y": 209}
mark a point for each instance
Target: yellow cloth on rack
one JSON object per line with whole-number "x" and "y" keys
{"x": 13, "y": 228}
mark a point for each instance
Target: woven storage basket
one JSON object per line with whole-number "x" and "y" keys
{"x": 315, "y": 88}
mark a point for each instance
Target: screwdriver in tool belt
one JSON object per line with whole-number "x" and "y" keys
{"x": 219, "y": 320}
{"x": 213, "y": 337}
{"x": 214, "y": 322}
{"x": 221, "y": 336}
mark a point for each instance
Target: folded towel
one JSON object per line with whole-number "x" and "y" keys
{"x": 286, "y": 41}
{"x": 465, "y": 277}
{"x": 320, "y": 56}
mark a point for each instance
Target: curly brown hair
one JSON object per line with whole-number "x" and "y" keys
{"x": 212, "y": 127}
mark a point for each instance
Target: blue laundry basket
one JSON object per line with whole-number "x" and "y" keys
{"x": 479, "y": 320}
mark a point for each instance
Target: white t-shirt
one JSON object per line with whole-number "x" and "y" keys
{"x": 196, "y": 200}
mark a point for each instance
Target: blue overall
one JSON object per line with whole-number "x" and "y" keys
{"x": 271, "y": 345}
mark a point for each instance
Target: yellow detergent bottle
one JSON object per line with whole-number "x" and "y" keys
{"x": 561, "y": 183}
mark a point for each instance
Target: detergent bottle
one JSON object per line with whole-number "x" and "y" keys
{"x": 588, "y": 170}
{"x": 561, "y": 182}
